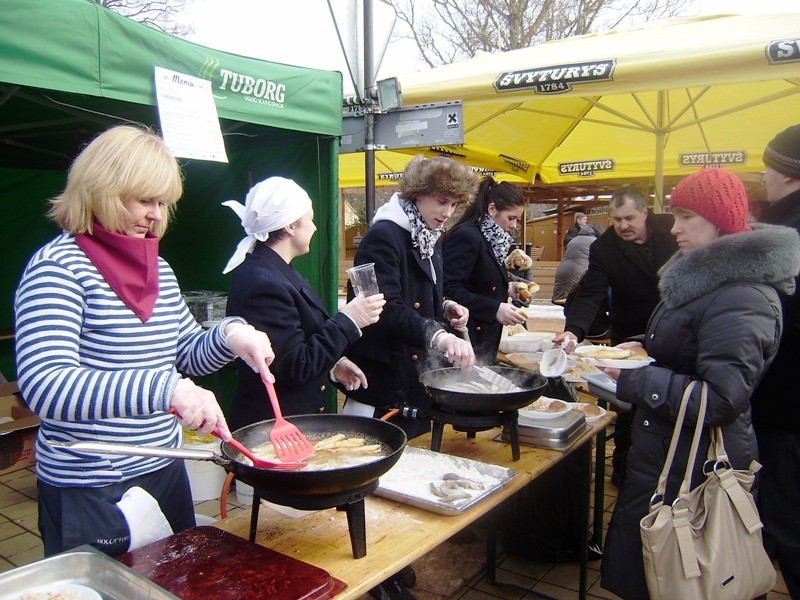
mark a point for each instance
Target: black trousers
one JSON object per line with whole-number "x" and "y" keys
{"x": 73, "y": 516}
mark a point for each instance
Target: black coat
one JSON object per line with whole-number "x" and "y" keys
{"x": 771, "y": 411}
{"x": 618, "y": 265}
{"x": 307, "y": 342}
{"x": 719, "y": 322}
{"x": 474, "y": 278}
{"x": 394, "y": 351}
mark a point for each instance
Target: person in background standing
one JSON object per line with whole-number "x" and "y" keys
{"x": 103, "y": 341}
{"x": 776, "y": 406}
{"x": 266, "y": 290}
{"x": 475, "y": 275}
{"x": 625, "y": 259}
{"x": 404, "y": 243}
{"x": 574, "y": 264}
{"x": 718, "y": 322}
{"x": 581, "y": 221}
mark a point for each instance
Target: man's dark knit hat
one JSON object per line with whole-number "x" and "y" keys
{"x": 783, "y": 152}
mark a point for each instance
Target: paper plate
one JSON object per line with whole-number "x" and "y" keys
{"x": 535, "y": 415}
{"x": 73, "y": 591}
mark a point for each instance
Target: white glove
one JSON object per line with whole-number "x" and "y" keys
{"x": 507, "y": 314}
{"x": 197, "y": 408}
{"x": 349, "y": 374}
{"x": 459, "y": 352}
{"x": 145, "y": 520}
{"x": 364, "y": 310}
{"x": 252, "y": 346}
{"x": 456, "y": 314}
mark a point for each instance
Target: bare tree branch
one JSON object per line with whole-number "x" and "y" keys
{"x": 158, "y": 14}
{"x": 447, "y": 31}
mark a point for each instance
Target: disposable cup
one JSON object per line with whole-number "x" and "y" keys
{"x": 363, "y": 279}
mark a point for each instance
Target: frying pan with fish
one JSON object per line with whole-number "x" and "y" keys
{"x": 290, "y": 483}
{"x": 445, "y": 387}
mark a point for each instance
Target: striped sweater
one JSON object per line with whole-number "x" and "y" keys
{"x": 93, "y": 371}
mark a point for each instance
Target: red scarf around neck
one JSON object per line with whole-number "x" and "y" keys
{"x": 128, "y": 264}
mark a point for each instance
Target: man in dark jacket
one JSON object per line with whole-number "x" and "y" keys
{"x": 776, "y": 410}
{"x": 625, "y": 261}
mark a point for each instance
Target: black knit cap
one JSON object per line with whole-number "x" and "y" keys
{"x": 783, "y": 152}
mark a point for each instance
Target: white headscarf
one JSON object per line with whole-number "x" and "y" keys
{"x": 270, "y": 205}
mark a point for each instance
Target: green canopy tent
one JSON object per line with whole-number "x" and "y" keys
{"x": 71, "y": 68}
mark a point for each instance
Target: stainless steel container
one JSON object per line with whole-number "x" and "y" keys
{"x": 84, "y": 566}
{"x": 558, "y": 434}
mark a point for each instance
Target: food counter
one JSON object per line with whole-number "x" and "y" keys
{"x": 397, "y": 534}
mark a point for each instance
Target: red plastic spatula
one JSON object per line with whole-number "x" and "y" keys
{"x": 260, "y": 463}
{"x": 289, "y": 443}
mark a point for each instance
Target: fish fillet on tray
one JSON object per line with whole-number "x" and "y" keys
{"x": 441, "y": 483}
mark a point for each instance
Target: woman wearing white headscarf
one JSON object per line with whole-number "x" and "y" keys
{"x": 278, "y": 220}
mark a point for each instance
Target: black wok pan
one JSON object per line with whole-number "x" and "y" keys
{"x": 310, "y": 483}
{"x": 439, "y": 383}
{"x": 287, "y": 483}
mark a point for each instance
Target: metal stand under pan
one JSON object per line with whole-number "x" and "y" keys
{"x": 471, "y": 423}
{"x": 351, "y": 501}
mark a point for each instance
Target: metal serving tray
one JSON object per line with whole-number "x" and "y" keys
{"x": 605, "y": 388}
{"x": 84, "y": 566}
{"x": 557, "y": 434}
{"x": 395, "y": 486}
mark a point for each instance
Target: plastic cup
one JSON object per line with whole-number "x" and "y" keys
{"x": 363, "y": 279}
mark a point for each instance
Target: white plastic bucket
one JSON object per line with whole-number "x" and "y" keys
{"x": 205, "y": 478}
{"x": 244, "y": 493}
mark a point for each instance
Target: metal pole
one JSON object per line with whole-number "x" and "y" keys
{"x": 369, "y": 105}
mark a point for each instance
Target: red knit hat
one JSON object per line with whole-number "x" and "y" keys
{"x": 716, "y": 195}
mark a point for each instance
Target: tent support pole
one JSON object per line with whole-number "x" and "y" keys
{"x": 369, "y": 84}
{"x": 659, "y": 174}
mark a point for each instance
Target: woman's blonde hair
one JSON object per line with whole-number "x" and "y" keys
{"x": 121, "y": 164}
{"x": 439, "y": 176}
{"x": 514, "y": 255}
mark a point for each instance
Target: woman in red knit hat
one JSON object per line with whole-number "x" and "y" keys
{"x": 718, "y": 321}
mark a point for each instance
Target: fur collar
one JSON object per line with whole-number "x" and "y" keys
{"x": 770, "y": 254}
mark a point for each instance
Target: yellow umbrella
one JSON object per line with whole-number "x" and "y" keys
{"x": 660, "y": 100}
{"x": 389, "y": 164}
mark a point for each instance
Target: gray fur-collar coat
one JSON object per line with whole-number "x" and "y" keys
{"x": 719, "y": 321}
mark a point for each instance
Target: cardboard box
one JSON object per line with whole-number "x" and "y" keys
{"x": 17, "y": 436}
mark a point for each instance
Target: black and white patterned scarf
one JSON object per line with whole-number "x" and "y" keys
{"x": 498, "y": 239}
{"x": 422, "y": 236}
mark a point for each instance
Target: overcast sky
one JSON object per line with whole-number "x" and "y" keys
{"x": 301, "y": 32}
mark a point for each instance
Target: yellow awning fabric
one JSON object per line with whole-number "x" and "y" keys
{"x": 665, "y": 99}
{"x": 389, "y": 164}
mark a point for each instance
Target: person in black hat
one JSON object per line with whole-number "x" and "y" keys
{"x": 776, "y": 411}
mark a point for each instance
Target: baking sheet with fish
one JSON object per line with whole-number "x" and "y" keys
{"x": 409, "y": 480}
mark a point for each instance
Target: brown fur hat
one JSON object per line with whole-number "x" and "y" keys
{"x": 514, "y": 255}
{"x": 438, "y": 176}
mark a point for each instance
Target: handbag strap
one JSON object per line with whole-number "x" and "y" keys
{"x": 728, "y": 481}
{"x": 661, "y": 487}
{"x": 686, "y": 485}
{"x": 681, "y": 515}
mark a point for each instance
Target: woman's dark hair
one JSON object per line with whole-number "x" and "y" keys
{"x": 504, "y": 195}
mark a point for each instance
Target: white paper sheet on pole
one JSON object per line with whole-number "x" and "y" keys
{"x": 188, "y": 116}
